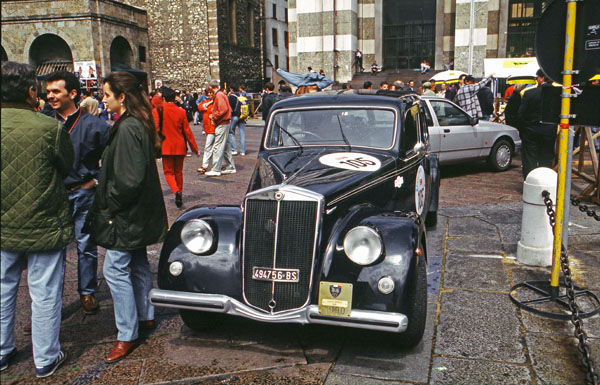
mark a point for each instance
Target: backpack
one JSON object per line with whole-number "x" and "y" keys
{"x": 244, "y": 107}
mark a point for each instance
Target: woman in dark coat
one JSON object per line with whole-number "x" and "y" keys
{"x": 129, "y": 211}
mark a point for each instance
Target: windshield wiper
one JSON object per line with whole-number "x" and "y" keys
{"x": 290, "y": 135}
{"x": 343, "y": 135}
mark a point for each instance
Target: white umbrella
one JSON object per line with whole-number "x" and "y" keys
{"x": 450, "y": 76}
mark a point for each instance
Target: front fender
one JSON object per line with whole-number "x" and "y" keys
{"x": 400, "y": 236}
{"x": 218, "y": 272}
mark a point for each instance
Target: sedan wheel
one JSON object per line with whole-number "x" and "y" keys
{"x": 501, "y": 156}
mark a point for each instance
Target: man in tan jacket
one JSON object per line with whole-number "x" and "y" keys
{"x": 89, "y": 104}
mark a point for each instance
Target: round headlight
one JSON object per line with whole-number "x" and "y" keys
{"x": 197, "y": 236}
{"x": 386, "y": 285}
{"x": 176, "y": 268}
{"x": 363, "y": 245}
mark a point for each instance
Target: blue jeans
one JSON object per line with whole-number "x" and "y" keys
{"x": 241, "y": 125}
{"x": 45, "y": 275}
{"x": 129, "y": 290}
{"x": 87, "y": 251}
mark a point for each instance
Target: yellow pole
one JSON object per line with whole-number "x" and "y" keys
{"x": 565, "y": 109}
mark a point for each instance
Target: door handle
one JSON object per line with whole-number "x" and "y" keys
{"x": 446, "y": 130}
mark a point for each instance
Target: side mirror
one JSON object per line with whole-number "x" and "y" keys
{"x": 415, "y": 150}
{"x": 473, "y": 121}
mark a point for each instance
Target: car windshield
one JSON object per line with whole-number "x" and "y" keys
{"x": 370, "y": 127}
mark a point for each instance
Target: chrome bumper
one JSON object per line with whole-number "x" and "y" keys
{"x": 364, "y": 319}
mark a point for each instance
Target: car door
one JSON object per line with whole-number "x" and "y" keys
{"x": 459, "y": 139}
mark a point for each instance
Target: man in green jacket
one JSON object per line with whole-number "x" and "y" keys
{"x": 36, "y": 222}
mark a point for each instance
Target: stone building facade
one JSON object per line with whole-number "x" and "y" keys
{"x": 399, "y": 34}
{"x": 192, "y": 42}
{"x": 325, "y": 34}
{"x": 55, "y": 34}
{"x": 181, "y": 43}
{"x": 276, "y": 40}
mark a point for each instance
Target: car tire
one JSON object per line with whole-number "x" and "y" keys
{"x": 431, "y": 219}
{"x": 416, "y": 307}
{"x": 500, "y": 157}
{"x": 198, "y": 320}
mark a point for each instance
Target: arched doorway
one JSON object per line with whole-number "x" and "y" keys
{"x": 49, "y": 53}
{"x": 4, "y": 55}
{"x": 121, "y": 54}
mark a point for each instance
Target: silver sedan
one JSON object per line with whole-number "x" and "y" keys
{"x": 457, "y": 137}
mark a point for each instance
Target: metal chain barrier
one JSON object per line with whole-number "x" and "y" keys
{"x": 584, "y": 209}
{"x": 583, "y": 346}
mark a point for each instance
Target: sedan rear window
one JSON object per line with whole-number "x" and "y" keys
{"x": 332, "y": 127}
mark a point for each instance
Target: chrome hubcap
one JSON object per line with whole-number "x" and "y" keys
{"x": 503, "y": 156}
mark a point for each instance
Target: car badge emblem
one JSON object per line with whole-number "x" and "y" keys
{"x": 399, "y": 182}
{"x": 279, "y": 195}
{"x": 335, "y": 290}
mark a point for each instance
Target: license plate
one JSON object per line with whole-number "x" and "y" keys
{"x": 335, "y": 299}
{"x": 275, "y": 275}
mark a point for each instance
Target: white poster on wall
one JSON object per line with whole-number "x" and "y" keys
{"x": 86, "y": 69}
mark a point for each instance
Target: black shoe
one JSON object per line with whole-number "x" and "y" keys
{"x": 178, "y": 199}
{"x": 7, "y": 358}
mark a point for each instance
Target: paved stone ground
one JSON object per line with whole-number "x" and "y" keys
{"x": 474, "y": 334}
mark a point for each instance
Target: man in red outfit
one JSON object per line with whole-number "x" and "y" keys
{"x": 221, "y": 118}
{"x": 157, "y": 99}
{"x": 177, "y": 133}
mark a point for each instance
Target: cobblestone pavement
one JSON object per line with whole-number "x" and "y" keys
{"x": 474, "y": 334}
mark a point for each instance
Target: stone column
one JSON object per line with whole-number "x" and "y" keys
{"x": 470, "y": 44}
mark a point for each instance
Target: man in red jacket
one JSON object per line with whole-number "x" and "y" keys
{"x": 177, "y": 133}
{"x": 221, "y": 118}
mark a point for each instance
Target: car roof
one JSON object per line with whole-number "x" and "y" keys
{"x": 430, "y": 97}
{"x": 370, "y": 98}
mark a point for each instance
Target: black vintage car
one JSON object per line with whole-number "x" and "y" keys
{"x": 331, "y": 230}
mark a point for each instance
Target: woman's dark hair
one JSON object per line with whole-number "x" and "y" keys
{"x": 17, "y": 78}
{"x": 136, "y": 102}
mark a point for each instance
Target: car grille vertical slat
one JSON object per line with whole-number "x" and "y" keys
{"x": 259, "y": 244}
{"x": 295, "y": 251}
{"x": 296, "y": 233}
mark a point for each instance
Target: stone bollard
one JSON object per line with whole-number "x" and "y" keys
{"x": 537, "y": 238}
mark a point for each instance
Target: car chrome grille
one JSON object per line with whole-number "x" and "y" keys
{"x": 279, "y": 234}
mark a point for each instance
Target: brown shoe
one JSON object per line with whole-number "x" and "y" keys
{"x": 120, "y": 350}
{"x": 27, "y": 329}
{"x": 147, "y": 326}
{"x": 89, "y": 304}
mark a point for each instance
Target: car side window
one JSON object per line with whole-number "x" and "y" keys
{"x": 448, "y": 114}
{"x": 410, "y": 132}
{"x": 428, "y": 117}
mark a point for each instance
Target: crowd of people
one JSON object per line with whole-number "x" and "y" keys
{"x": 68, "y": 176}
{"x": 78, "y": 169}
{"x": 474, "y": 97}
{"x": 75, "y": 169}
